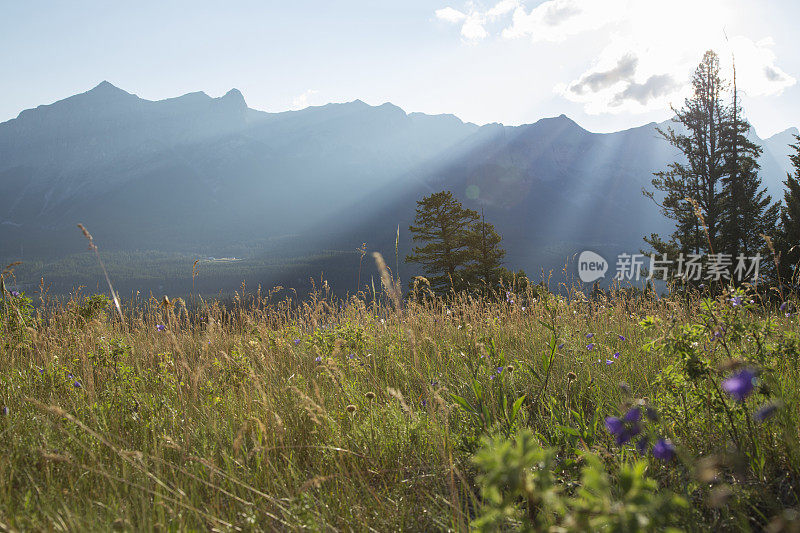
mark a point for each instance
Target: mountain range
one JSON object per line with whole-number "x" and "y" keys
{"x": 209, "y": 177}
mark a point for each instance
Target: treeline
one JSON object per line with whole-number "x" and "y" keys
{"x": 175, "y": 273}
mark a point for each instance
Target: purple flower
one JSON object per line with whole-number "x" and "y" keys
{"x": 621, "y": 337}
{"x": 642, "y": 445}
{"x": 633, "y": 415}
{"x": 740, "y": 385}
{"x": 664, "y": 450}
{"x": 614, "y": 425}
{"x": 500, "y": 369}
{"x": 589, "y": 335}
{"x": 561, "y": 346}
{"x": 765, "y": 412}
{"x": 784, "y": 306}
{"x": 14, "y": 294}
{"x": 590, "y": 347}
{"x": 609, "y": 362}
{"x": 351, "y": 356}
{"x": 161, "y": 327}
{"x": 296, "y": 342}
{"x": 628, "y": 433}
{"x": 318, "y": 359}
{"x": 623, "y": 430}
{"x": 736, "y": 300}
{"x": 616, "y": 355}
{"x": 77, "y": 385}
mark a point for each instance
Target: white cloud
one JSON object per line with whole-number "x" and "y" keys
{"x": 756, "y": 71}
{"x": 502, "y": 8}
{"x": 646, "y": 52}
{"x": 474, "y": 21}
{"x": 556, "y": 20}
{"x": 303, "y": 100}
{"x": 448, "y": 14}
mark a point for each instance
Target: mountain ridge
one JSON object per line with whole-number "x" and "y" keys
{"x": 198, "y": 174}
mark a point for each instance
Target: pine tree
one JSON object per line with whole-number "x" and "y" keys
{"x": 789, "y": 238}
{"x": 699, "y": 177}
{"x": 715, "y": 195}
{"x": 486, "y": 255}
{"x": 748, "y": 211}
{"x": 443, "y": 225}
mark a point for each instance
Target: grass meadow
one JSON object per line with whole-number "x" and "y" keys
{"x": 526, "y": 411}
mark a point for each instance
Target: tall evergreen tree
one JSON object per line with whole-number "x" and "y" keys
{"x": 701, "y": 141}
{"x": 443, "y": 226}
{"x": 789, "y": 238}
{"x": 717, "y": 183}
{"x": 748, "y": 211}
{"x": 486, "y": 255}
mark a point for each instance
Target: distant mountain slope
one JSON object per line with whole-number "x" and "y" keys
{"x": 202, "y": 175}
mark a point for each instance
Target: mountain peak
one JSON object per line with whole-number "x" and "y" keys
{"x": 105, "y": 87}
{"x": 234, "y": 97}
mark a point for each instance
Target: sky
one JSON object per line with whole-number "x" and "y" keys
{"x": 607, "y": 64}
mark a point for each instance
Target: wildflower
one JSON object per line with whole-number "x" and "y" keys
{"x": 351, "y": 408}
{"x": 161, "y": 327}
{"x": 318, "y": 359}
{"x": 589, "y": 335}
{"x": 621, "y": 337}
{"x": 296, "y": 342}
{"x": 5, "y": 410}
{"x": 351, "y": 356}
{"x": 609, "y": 362}
{"x": 77, "y": 385}
{"x": 561, "y": 346}
{"x": 784, "y": 306}
{"x": 642, "y": 445}
{"x": 623, "y": 429}
{"x": 740, "y": 385}
{"x": 590, "y": 347}
{"x": 423, "y": 403}
{"x": 736, "y": 300}
{"x": 14, "y": 294}
{"x": 614, "y": 425}
{"x": 616, "y": 355}
{"x": 370, "y": 395}
{"x": 765, "y": 412}
{"x": 633, "y": 415}
{"x": 500, "y": 369}
{"x": 663, "y": 449}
